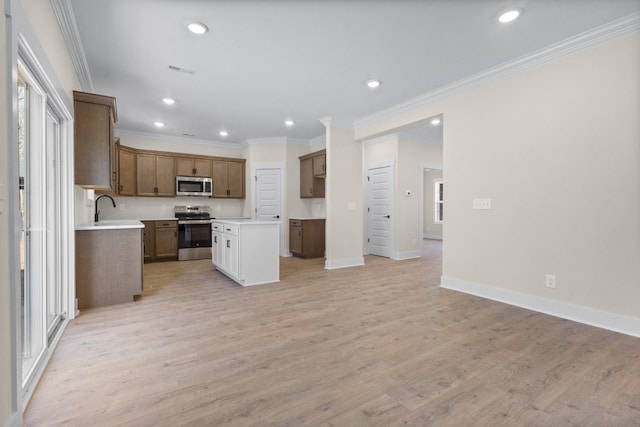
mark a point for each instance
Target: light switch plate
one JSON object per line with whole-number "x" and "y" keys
{"x": 481, "y": 203}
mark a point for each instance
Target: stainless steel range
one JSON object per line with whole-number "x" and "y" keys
{"x": 194, "y": 232}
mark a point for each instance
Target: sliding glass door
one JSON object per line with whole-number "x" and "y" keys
{"x": 40, "y": 210}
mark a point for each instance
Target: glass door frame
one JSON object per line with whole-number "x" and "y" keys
{"x": 59, "y": 106}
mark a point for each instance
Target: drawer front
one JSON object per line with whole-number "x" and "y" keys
{"x": 295, "y": 222}
{"x": 166, "y": 224}
{"x": 216, "y": 226}
{"x": 231, "y": 229}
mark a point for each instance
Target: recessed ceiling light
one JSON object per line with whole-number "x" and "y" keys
{"x": 435, "y": 121}
{"x": 509, "y": 15}
{"x": 168, "y": 101}
{"x": 223, "y": 133}
{"x": 158, "y": 124}
{"x": 197, "y": 28}
{"x": 288, "y": 123}
{"x": 372, "y": 84}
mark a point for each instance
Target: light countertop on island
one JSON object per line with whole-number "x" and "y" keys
{"x": 110, "y": 224}
{"x": 306, "y": 218}
{"x": 243, "y": 221}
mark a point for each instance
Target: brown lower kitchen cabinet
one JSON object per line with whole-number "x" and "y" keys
{"x": 108, "y": 266}
{"x": 160, "y": 240}
{"x": 306, "y": 237}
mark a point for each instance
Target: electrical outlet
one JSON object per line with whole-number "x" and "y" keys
{"x": 550, "y": 281}
{"x": 481, "y": 203}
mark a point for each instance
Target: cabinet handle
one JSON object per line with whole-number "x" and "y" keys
{"x": 228, "y": 192}
{"x": 215, "y": 239}
{"x": 155, "y": 189}
{"x": 228, "y": 241}
{"x": 193, "y": 171}
{"x": 120, "y": 188}
{"x": 310, "y": 190}
{"x": 299, "y": 233}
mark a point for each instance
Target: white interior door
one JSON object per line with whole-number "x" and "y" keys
{"x": 269, "y": 194}
{"x": 269, "y": 198}
{"x": 380, "y": 206}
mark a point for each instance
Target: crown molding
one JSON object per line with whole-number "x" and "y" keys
{"x": 67, "y": 22}
{"x": 577, "y": 43}
{"x": 333, "y": 122}
{"x": 274, "y": 140}
{"x": 320, "y": 139}
{"x": 172, "y": 138}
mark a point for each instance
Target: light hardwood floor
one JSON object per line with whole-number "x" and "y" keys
{"x": 379, "y": 345}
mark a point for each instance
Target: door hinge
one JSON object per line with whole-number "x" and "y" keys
{"x": 368, "y": 179}
{"x": 256, "y": 177}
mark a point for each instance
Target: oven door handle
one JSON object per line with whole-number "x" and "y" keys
{"x": 194, "y": 221}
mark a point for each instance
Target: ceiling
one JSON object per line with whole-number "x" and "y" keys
{"x": 264, "y": 61}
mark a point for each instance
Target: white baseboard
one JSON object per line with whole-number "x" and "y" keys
{"x": 343, "y": 263}
{"x": 432, "y": 236}
{"x": 601, "y": 319}
{"x": 406, "y": 255}
{"x": 15, "y": 420}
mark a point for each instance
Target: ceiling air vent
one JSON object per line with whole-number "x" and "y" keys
{"x": 181, "y": 70}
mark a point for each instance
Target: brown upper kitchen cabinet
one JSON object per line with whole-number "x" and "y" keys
{"x": 312, "y": 175}
{"x": 228, "y": 179}
{"x": 193, "y": 167}
{"x": 155, "y": 175}
{"x": 126, "y": 171}
{"x": 94, "y": 117}
{"x": 320, "y": 164}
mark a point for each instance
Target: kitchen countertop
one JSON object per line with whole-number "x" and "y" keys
{"x": 110, "y": 224}
{"x": 303, "y": 218}
{"x": 244, "y": 221}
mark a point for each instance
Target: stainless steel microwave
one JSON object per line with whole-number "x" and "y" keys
{"x": 193, "y": 186}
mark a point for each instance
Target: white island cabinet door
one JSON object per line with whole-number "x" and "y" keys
{"x": 216, "y": 244}
{"x": 231, "y": 255}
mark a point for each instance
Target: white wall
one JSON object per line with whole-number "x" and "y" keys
{"x": 344, "y": 198}
{"x": 411, "y": 155}
{"x": 556, "y": 148}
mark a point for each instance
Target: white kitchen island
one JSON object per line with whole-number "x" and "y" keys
{"x": 247, "y": 250}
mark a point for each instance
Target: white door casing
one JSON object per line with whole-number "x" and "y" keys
{"x": 379, "y": 210}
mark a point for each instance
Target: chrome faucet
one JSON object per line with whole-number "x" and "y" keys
{"x": 96, "y": 216}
